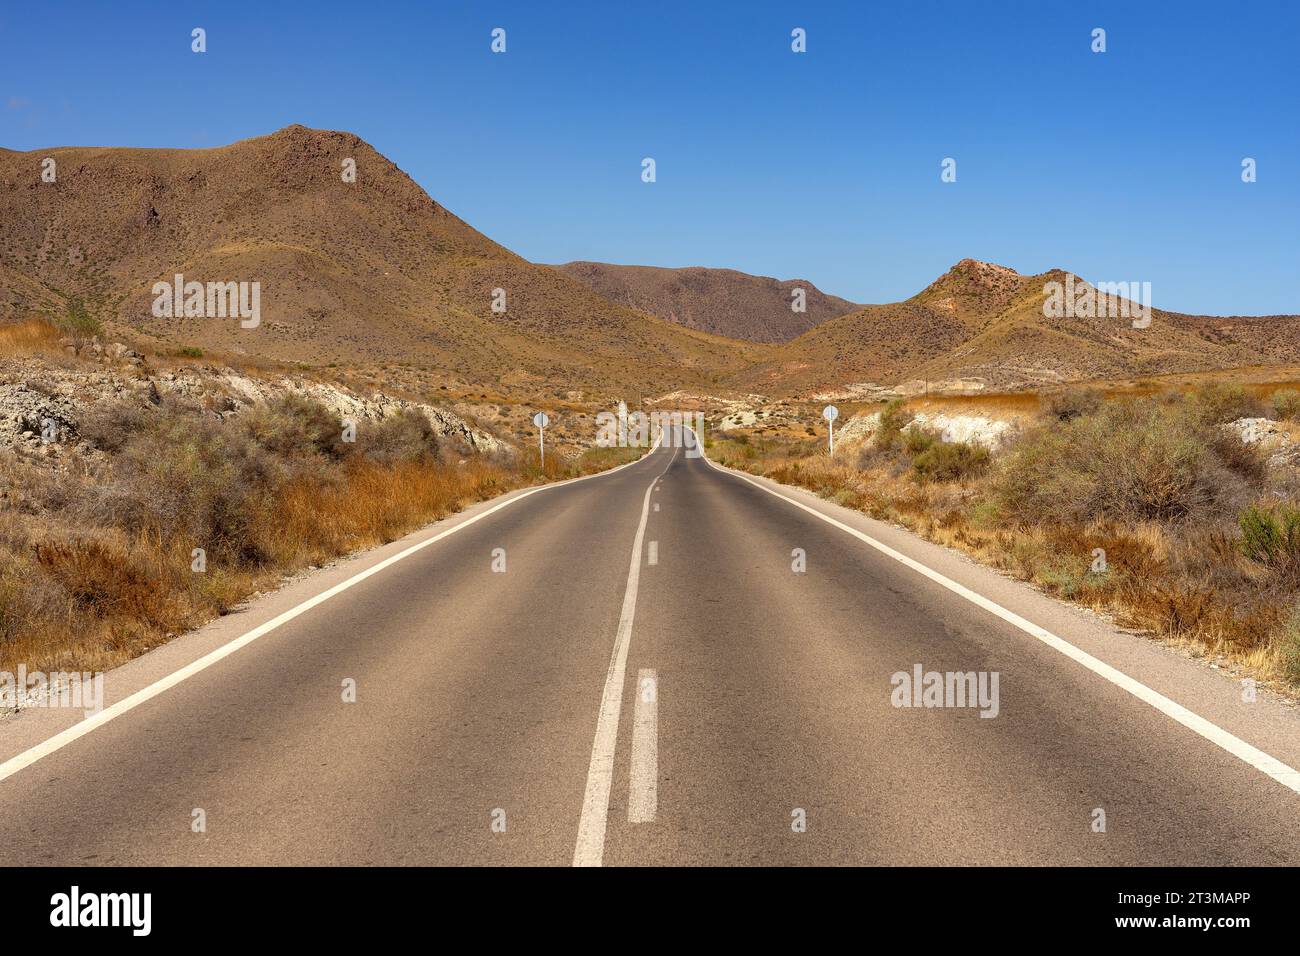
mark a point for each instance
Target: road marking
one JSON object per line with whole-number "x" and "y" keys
{"x": 145, "y": 694}
{"x": 590, "y": 848}
{"x": 1265, "y": 763}
{"x": 652, "y": 558}
{"x": 643, "y": 798}
{"x": 656, "y": 506}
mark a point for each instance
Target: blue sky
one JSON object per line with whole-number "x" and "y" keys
{"x": 1124, "y": 165}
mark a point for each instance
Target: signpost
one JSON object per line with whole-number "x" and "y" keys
{"x": 541, "y": 421}
{"x": 830, "y": 413}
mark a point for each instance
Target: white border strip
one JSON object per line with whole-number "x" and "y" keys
{"x": 1265, "y": 763}
{"x": 127, "y": 704}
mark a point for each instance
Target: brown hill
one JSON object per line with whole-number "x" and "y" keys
{"x": 375, "y": 272}
{"x": 985, "y": 322}
{"x": 720, "y": 301}
{"x": 371, "y": 271}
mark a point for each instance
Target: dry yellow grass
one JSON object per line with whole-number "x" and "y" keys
{"x": 28, "y": 337}
{"x": 993, "y": 404}
{"x": 377, "y": 504}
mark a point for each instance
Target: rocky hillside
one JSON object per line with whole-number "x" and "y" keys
{"x": 984, "y": 326}
{"x": 43, "y": 401}
{"x": 367, "y": 271}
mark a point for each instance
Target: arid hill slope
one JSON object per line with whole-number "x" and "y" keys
{"x": 721, "y": 301}
{"x": 375, "y": 273}
{"x": 365, "y": 272}
{"x": 986, "y": 323}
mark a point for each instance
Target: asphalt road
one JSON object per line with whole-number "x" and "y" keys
{"x": 651, "y": 681}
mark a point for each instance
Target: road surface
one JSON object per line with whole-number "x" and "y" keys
{"x": 651, "y": 680}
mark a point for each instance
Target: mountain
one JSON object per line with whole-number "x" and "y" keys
{"x": 375, "y": 273}
{"x": 371, "y": 271}
{"x": 986, "y": 323}
{"x": 721, "y": 301}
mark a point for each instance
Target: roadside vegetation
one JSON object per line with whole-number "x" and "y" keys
{"x": 78, "y": 320}
{"x": 1151, "y": 509}
{"x": 101, "y": 562}
{"x": 28, "y": 336}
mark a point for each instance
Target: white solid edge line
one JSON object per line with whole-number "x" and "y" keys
{"x": 129, "y": 703}
{"x": 643, "y": 795}
{"x": 589, "y": 850}
{"x": 1265, "y": 763}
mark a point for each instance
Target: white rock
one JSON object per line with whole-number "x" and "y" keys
{"x": 972, "y": 429}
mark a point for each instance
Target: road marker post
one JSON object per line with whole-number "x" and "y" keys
{"x": 541, "y": 421}
{"x": 830, "y": 413}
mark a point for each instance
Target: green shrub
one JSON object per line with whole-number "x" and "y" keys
{"x": 985, "y": 514}
{"x": 1072, "y": 403}
{"x": 1064, "y": 578}
{"x": 893, "y": 419}
{"x": 1286, "y": 403}
{"x": 77, "y": 320}
{"x": 187, "y": 478}
{"x": 950, "y": 461}
{"x": 1287, "y": 642}
{"x": 1133, "y": 459}
{"x": 295, "y": 426}
{"x": 1218, "y": 403}
{"x": 917, "y": 441}
{"x": 180, "y": 474}
{"x": 406, "y": 436}
{"x": 1271, "y": 536}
